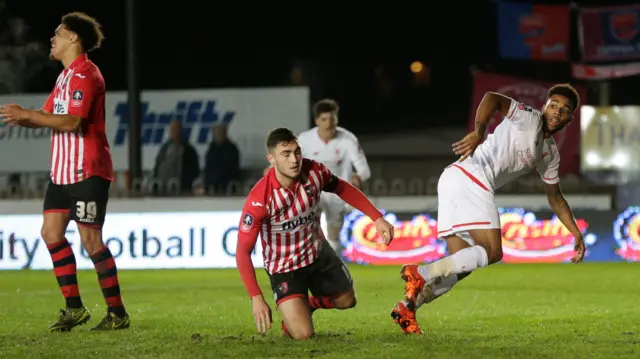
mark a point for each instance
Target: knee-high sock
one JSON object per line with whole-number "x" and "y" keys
{"x": 437, "y": 289}
{"x": 105, "y": 266}
{"x": 463, "y": 261}
{"x": 64, "y": 267}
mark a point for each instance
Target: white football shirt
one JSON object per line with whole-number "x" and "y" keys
{"x": 515, "y": 148}
{"x": 341, "y": 154}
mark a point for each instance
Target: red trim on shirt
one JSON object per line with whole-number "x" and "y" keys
{"x": 472, "y": 177}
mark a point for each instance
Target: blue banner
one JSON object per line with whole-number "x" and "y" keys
{"x": 533, "y": 32}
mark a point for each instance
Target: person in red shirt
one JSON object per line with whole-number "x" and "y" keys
{"x": 81, "y": 169}
{"x": 283, "y": 208}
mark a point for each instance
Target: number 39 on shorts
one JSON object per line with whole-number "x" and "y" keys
{"x": 86, "y": 210}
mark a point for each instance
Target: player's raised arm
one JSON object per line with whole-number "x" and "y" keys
{"x": 251, "y": 220}
{"x": 491, "y": 102}
{"x": 559, "y": 204}
{"x": 353, "y": 196}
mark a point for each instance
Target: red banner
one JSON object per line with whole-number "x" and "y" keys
{"x": 533, "y": 93}
{"x": 604, "y": 72}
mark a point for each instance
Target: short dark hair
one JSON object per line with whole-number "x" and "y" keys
{"x": 278, "y": 136}
{"x": 326, "y": 105}
{"x": 86, "y": 27}
{"x": 567, "y": 91}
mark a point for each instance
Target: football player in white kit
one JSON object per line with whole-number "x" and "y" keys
{"x": 467, "y": 213}
{"x": 339, "y": 150}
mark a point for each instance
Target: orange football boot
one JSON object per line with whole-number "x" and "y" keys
{"x": 405, "y": 318}
{"x": 414, "y": 283}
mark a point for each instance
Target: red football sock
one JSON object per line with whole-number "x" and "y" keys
{"x": 108, "y": 277}
{"x": 64, "y": 267}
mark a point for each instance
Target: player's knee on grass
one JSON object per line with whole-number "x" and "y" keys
{"x": 54, "y": 227}
{"x": 297, "y": 317}
{"x": 91, "y": 239}
{"x": 346, "y": 301}
{"x": 491, "y": 241}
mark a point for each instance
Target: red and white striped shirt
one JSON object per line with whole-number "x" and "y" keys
{"x": 287, "y": 219}
{"x": 75, "y": 156}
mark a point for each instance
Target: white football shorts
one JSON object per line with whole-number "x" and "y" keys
{"x": 464, "y": 203}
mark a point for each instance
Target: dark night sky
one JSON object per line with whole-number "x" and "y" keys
{"x": 194, "y": 44}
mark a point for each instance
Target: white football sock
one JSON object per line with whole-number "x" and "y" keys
{"x": 463, "y": 261}
{"x": 445, "y": 285}
{"x": 428, "y": 295}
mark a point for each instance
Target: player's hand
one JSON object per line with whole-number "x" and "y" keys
{"x": 385, "y": 229}
{"x": 466, "y": 146}
{"x": 262, "y": 314}
{"x": 13, "y": 114}
{"x": 579, "y": 248}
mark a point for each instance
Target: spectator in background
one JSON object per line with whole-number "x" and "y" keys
{"x": 222, "y": 162}
{"x": 21, "y": 58}
{"x": 177, "y": 165}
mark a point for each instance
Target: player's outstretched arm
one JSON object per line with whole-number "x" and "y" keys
{"x": 62, "y": 123}
{"x": 353, "y": 196}
{"x": 249, "y": 228}
{"x": 245, "y": 246}
{"x": 561, "y": 208}
{"x": 16, "y": 115}
{"x": 33, "y": 125}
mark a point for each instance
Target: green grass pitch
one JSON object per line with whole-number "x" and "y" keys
{"x": 504, "y": 311}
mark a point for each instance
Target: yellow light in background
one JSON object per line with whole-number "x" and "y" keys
{"x": 416, "y": 67}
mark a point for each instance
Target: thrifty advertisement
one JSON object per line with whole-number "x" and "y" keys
{"x": 250, "y": 113}
{"x": 208, "y": 239}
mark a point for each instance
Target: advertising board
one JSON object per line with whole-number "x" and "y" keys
{"x": 527, "y": 237}
{"x": 136, "y": 240}
{"x": 609, "y": 34}
{"x": 208, "y": 239}
{"x": 250, "y": 113}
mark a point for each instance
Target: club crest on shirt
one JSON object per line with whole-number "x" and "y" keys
{"x": 247, "y": 222}
{"x": 309, "y": 190}
{"x": 523, "y": 107}
{"x": 76, "y": 98}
